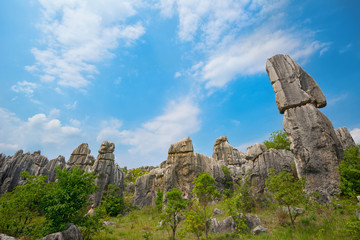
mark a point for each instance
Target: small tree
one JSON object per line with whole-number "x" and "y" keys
{"x": 67, "y": 200}
{"x": 113, "y": 201}
{"x": 194, "y": 221}
{"x": 287, "y": 190}
{"x": 278, "y": 140}
{"x": 159, "y": 201}
{"x": 174, "y": 205}
{"x": 350, "y": 172}
{"x": 235, "y": 207}
{"x": 205, "y": 191}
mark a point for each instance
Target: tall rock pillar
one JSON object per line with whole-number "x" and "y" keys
{"x": 312, "y": 137}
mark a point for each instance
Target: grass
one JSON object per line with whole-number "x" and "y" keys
{"x": 316, "y": 223}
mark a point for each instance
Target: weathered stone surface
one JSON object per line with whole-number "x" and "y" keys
{"x": 292, "y": 85}
{"x": 252, "y": 221}
{"x": 225, "y": 226}
{"x": 130, "y": 188}
{"x": 71, "y": 233}
{"x": 182, "y": 146}
{"x": 108, "y": 171}
{"x": 6, "y": 237}
{"x": 272, "y": 158}
{"x": 181, "y": 167}
{"x": 81, "y": 158}
{"x": 218, "y": 212}
{"x": 345, "y": 138}
{"x": 317, "y": 149}
{"x": 50, "y": 168}
{"x": 253, "y": 152}
{"x": 223, "y": 151}
{"x": 12, "y": 167}
{"x": 259, "y": 229}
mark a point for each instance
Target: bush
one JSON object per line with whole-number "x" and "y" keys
{"x": 278, "y": 140}
{"x": 113, "y": 201}
{"x": 67, "y": 199}
{"x": 349, "y": 169}
{"x": 159, "y": 201}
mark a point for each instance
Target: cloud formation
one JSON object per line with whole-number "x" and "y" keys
{"x": 355, "y": 133}
{"x": 79, "y": 34}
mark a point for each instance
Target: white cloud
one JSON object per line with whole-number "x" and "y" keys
{"x": 78, "y": 35}
{"x": 355, "y": 133}
{"x": 54, "y": 113}
{"x": 37, "y": 131}
{"x": 179, "y": 120}
{"x": 24, "y": 87}
{"x": 71, "y": 106}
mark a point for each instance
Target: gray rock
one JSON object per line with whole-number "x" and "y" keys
{"x": 71, "y": 233}
{"x": 317, "y": 149}
{"x": 276, "y": 159}
{"x": 217, "y": 212}
{"x": 6, "y": 237}
{"x": 345, "y": 138}
{"x": 130, "y": 188}
{"x": 108, "y": 171}
{"x": 50, "y": 168}
{"x": 182, "y": 146}
{"x": 223, "y": 151}
{"x": 292, "y": 85}
{"x": 81, "y": 158}
{"x": 253, "y": 152}
{"x": 259, "y": 229}
{"x": 225, "y": 226}
{"x": 252, "y": 221}
{"x": 108, "y": 223}
{"x": 294, "y": 210}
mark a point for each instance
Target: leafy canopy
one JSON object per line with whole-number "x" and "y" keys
{"x": 350, "y": 172}
{"x": 278, "y": 140}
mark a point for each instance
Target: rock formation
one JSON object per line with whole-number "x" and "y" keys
{"x": 178, "y": 171}
{"x": 72, "y": 232}
{"x": 81, "y": 158}
{"x": 345, "y": 138}
{"x": 312, "y": 137}
{"x": 223, "y": 151}
{"x": 108, "y": 171}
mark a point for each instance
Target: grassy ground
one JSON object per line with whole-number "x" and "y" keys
{"x": 316, "y": 223}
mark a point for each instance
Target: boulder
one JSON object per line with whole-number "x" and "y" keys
{"x": 345, "y": 138}
{"x": 253, "y": 152}
{"x": 292, "y": 85}
{"x": 218, "y": 212}
{"x": 317, "y": 149}
{"x": 259, "y": 229}
{"x": 6, "y": 237}
{"x": 71, "y": 233}
{"x": 223, "y": 151}
{"x": 252, "y": 221}
{"x": 225, "y": 226}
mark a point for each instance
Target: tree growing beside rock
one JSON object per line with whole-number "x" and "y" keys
{"x": 287, "y": 190}
{"x": 205, "y": 191}
{"x": 349, "y": 169}
{"x": 278, "y": 140}
{"x": 174, "y": 205}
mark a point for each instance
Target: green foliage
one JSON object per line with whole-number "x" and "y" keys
{"x": 159, "y": 201}
{"x": 350, "y": 172}
{"x": 287, "y": 190}
{"x": 194, "y": 221}
{"x": 92, "y": 224}
{"x": 67, "y": 199}
{"x": 205, "y": 191}
{"x": 278, "y": 140}
{"x": 135, "y": 173}
{"x": 228, "y": 181}
{"x": 235, "y": 207}
{"x": 247, "y": 194}
{"x": 174, "y": 205}
{"x": 113, "y": 201}
{"x": 19, "y": 207}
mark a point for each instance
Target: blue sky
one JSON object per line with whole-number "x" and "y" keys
{"x": 145, "y": 74}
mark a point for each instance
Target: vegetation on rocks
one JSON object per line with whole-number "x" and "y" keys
{"x": 350, "y": 172}
{"x": 278, "y": 140}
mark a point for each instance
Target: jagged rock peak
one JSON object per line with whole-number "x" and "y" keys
{"x": 223, "y": 151}
{"x": 183, "y": 146}
{"x": 252, "y": 152}
{"x": 292, "y": 85}
{"x": 220, "y": 140}
{"x": 106, "y": 151}
{"x": 83, "y": 149}
{"x": 345, "y": 138}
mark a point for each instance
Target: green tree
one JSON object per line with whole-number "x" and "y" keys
{"x": 19, "y": 207}
{"x": 278, "y": 140}
{"x": 174, "y": 205}
{"x": 235, "y": 208}
{"x": 287, "y": 190}
{"x": 228, "y": 181}
{"x": 113, "y": 201}
{"x": 350, "y": 172}
{"x": 205, "y": 191}
{"x": 194, "y": 221}
{"x": 67, "y": 199}
{"x": 159, "y": 200}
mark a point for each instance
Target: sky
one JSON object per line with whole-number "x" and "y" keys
{"x": 144, "y": 74}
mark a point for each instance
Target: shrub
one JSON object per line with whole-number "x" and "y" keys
{"x": 278, "y": 140}
{"x": 159, "y": 201}
{"x": 113, "y": 201}
{"x": 350, "y": 172}
{"x": 287, "y": 190}
{"x": 194, "y": 221}
{"x": 234, "y": 207}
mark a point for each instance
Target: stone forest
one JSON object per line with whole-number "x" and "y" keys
{"x": 296, "y": 192}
